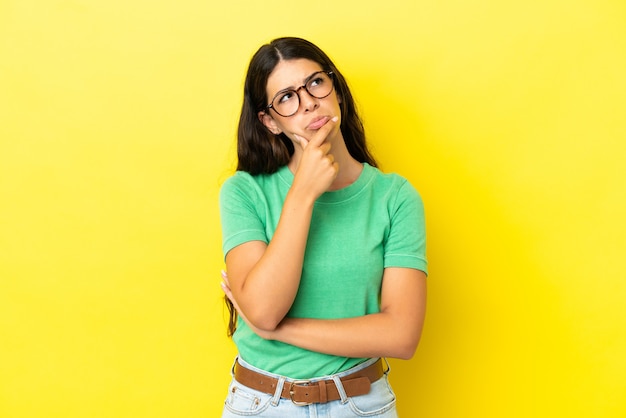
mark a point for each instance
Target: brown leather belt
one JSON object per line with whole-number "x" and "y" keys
{"x": 306, "y": 392}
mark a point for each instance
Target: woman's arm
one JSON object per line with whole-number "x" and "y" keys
{"x": 394, "y": 332}
{"x": 264, "y": 278}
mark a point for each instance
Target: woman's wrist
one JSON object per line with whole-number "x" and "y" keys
{"x": 301, "y": 196}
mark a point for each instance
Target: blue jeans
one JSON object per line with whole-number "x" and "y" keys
{"x": 245, "y": 402}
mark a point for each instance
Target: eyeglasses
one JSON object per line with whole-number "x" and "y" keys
{"x": 287, "y": 102}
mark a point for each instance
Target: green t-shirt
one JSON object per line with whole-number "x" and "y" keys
{"x": 356, "y": 232}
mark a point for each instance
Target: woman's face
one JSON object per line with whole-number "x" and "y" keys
{"x": 312, "y": 113}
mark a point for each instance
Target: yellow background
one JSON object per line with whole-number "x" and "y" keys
{"x": 117, "y": 124}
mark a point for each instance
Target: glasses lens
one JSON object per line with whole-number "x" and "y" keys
{"x": 286, "y": 103}
{"x": 319, "y": 86}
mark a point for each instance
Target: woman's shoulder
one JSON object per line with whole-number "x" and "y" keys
{"x": 388, "y": 180}
{"x": 244, "y": 182}
{"x": 242, "y": 178}
{"x": 238, "y": 180}
{"x": 394, "y": 188}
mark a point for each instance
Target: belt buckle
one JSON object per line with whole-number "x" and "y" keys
{"x": 291, "y": 392}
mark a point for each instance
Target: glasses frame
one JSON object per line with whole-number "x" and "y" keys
{"x": 297, "y": 92}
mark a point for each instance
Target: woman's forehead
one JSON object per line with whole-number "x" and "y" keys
{"x": 291, "y": 74}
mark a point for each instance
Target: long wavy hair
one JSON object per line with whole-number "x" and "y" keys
{"x": 259, "y": 151}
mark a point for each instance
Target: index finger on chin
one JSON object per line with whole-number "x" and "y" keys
{"x": 322, "y": 133}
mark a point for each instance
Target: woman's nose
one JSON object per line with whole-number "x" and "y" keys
{"x": 307, "y": 101}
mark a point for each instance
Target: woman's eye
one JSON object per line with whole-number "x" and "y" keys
{"x": 316, "y": 82}
{"x": 285, "y": 97}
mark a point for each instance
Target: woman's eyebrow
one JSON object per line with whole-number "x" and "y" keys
{"x": 306, "y": 80}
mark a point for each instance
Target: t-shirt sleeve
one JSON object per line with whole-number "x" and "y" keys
{"x": 240, "y": 204}
{"x": 406, "y": 242}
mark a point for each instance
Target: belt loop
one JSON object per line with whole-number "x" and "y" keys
{"x": 340, "y": 389}
{"x": 388, "y": 366}
{"x": 279, "y": 391}
{"x": 323, "y": 393}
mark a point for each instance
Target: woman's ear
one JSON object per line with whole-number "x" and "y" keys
{"x": 269, "y": 123}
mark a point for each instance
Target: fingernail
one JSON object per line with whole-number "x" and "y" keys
{"x": 224, "y": 275}
{"x": 223, "y": 285}
{"x": 298, "y": 137}
{"x": 335, "y": 119}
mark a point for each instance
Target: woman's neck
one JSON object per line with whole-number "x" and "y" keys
{"x": 349, "y": 172}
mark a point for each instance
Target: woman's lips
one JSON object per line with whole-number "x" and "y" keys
{"x": 318, "y": 123}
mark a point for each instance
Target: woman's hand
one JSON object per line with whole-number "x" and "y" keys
{"x": 317, "y": 168}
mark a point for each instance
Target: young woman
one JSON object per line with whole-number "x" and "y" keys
{"x": 325, "y": 254}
